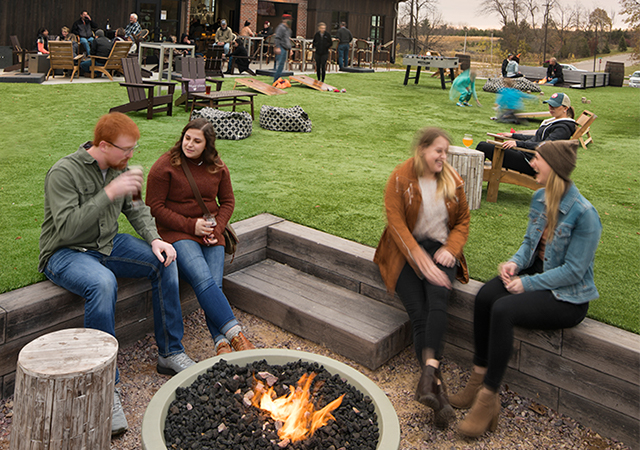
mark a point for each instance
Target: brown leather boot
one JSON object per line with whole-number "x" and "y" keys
{"x": 239, "y": 342}
{"x": 483, "y": 415}
{"x": 444, "y": 414}
{"x": 464, "y": 399}
{"x": 223, "y": 348}
{"x": 427, "y": 387}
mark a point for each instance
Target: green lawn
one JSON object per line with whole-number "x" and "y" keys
{"x": 333, "y": 178}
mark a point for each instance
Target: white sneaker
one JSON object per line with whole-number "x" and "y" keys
{"x": 173, "y": 364}
{"x": 118, "y": 420}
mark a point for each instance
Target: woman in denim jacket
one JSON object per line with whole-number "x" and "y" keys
{"x": 547, "y": 284}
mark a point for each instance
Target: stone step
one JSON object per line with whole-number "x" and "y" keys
{"x": 348, "y": 323}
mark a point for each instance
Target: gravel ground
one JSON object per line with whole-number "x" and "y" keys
{"x": 523, "y": 423}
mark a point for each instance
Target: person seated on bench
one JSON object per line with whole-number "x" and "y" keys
{"x": 83, "y": 28}
{"x": 224, "y": 36}
{"x": 43, "y": 41}
{"x": 420, "y": 253}
{"x": 198, "y": 239}
{"x": 239, "y": 57}
{"x": 513, "y": 70}
{"x": 560, "y": 126}
{"x": 554, "y": 73}
{"x": 82, "y": 251}
{"x": 546, "y": 285}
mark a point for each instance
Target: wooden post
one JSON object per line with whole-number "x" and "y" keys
{"x": 469, "y": 164}
{"x": 64, "y": 391}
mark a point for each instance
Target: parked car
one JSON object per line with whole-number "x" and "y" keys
{"x": 571, "y": 67}
{"x": 634, "y": 79}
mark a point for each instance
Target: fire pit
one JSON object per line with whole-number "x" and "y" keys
{"x": 153, "y": 423}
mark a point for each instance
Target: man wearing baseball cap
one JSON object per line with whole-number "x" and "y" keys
{"x": 559, "y": 127}
{"x": 224, "y": 36}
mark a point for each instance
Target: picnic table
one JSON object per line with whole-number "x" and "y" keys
{"x": 222, "y": 98}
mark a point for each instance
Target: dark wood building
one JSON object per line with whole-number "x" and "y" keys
{"x": 367, "y": 19}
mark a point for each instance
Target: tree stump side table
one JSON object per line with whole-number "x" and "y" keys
{"x": 64, "y": 391}
{"x": 469, "y": 164}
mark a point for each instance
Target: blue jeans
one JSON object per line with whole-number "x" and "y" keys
{"x": 87, "y": 44}
{"x": 92, "y": 275}
{"x": 552, "y": 81}
{"x": 343, "y": 55}
{"x": 281, "y": 58}
{"x": 203, "y": 266}
{"x": 85, "y": 66}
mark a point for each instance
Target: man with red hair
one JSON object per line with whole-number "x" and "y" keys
{"x": 82, "y": 251}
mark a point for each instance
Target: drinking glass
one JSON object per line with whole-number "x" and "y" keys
{"x": 136, "y": 198}
{"x": 467, "y": 140}
{"x": 207, "y": 89}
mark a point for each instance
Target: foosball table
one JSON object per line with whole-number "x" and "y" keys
{"x": 432, "y": 62}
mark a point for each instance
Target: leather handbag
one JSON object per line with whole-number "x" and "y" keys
{"x": 230, "y": 236}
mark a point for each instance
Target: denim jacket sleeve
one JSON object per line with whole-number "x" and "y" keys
{"x": 579, "y": 241}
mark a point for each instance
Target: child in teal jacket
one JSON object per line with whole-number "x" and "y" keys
{"x": 465, "y": 85}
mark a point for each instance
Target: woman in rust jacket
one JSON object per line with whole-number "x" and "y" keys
{"x": 420, "y": 253}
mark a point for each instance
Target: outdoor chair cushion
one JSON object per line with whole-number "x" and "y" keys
{"x": 522, "y": 84}
{"x": 284, "y": 119}
{"x": 232, "y": 125}
{"x": 197, "y": 85}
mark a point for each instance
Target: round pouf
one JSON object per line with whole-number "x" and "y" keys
{"x": 64, "y": 391}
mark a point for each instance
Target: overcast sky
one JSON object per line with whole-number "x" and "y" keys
{"x": 465, "y": 12}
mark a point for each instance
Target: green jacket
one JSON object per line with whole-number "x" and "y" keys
{"x": 225, "y": 35}
{"x": 77, "y": 212}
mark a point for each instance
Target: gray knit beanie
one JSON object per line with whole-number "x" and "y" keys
{"x": 560, "y": 155}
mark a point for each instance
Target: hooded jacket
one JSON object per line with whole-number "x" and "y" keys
{"x": 402, "y": 200}
{"x": 550, "y": 130}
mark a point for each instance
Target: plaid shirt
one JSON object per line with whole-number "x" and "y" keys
{"x": 132, "y": 30}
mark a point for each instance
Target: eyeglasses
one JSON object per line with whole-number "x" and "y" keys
{"x": 125, "y": 150}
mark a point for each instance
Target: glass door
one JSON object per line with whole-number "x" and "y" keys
{"x": 161, "y": 18}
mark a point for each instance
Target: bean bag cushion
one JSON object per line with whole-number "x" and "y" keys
{"x": 284, "y": 119}
{"x": 233, "y": 125}
{"x": 522, "y": 84}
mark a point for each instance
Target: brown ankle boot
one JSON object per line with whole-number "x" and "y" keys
{"x": 223, "y": 348}
{"x": 464, "y": 399}
{"x": 427, "y": 387}
{"x": 483, "y": 415}
{"x": 444, "y": 414}
{"x": 239, "y": 342}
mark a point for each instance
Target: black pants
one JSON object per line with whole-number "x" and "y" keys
{"x": 321, "y": 66}
{"x": 513, "y": 159}
{"x": 496, "y": 312}
{"x": 426, "y": 305}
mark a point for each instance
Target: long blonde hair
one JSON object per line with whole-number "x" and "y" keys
{"x": 445, "y": 180}
{"x": 553, "y": 192}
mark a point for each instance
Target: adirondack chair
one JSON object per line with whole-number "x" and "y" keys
{"x": 113, "y": 62}
{"x": 141, "y": 95}
{"x": 213, "y": 60}
{"x": 496, "y": 174}
{"x": 583, "y": 132}
{"x": 61, "y": 57}
{"x": 194, "y": 80}
{"x": 20, "y": 59}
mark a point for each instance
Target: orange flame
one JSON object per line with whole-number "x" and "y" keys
{"x": 297, "y": 413}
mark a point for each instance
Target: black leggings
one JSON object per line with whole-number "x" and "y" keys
{"x": 496, "y": 312}
{"x": 513, "y": 159}
{"x": 426, "y": 305}
{"x": 321, "y": 66}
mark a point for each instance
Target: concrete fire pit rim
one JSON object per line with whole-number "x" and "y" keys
{"x": 154, "y": 417}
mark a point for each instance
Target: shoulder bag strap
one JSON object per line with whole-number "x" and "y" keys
{"x": 194, "y": 186}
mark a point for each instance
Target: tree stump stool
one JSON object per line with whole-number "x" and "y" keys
{"x": 469, "y": 164}
{"x": 64, "y": 391}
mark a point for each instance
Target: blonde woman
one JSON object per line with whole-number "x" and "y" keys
{"x": 420, "y": 253}
{"x": 546, "y": 285}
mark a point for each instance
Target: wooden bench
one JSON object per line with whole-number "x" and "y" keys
{"x": 576, "y": 79}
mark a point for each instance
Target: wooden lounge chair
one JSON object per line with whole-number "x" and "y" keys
{"x": 496, "y": 174}
{"x": 141, "y": 95}
{"x": 194, "y": 80}
{"x": 213, "y": 61}
{"x": 583, "y": 132}
{"x": 61, "y": 57}
{"x": 20, "y": 58}
{"x": 113, "y": 62}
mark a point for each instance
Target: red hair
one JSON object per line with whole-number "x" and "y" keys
{"x": 112, "y": 125}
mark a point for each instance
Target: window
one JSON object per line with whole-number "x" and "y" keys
{"x": 336, "y": 18}
{"x": 377, "y": 29}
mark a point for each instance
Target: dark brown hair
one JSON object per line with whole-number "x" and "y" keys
{"x": 209, "y": 155}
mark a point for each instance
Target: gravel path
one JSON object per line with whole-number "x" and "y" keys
{"x": 523, "y": 423}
